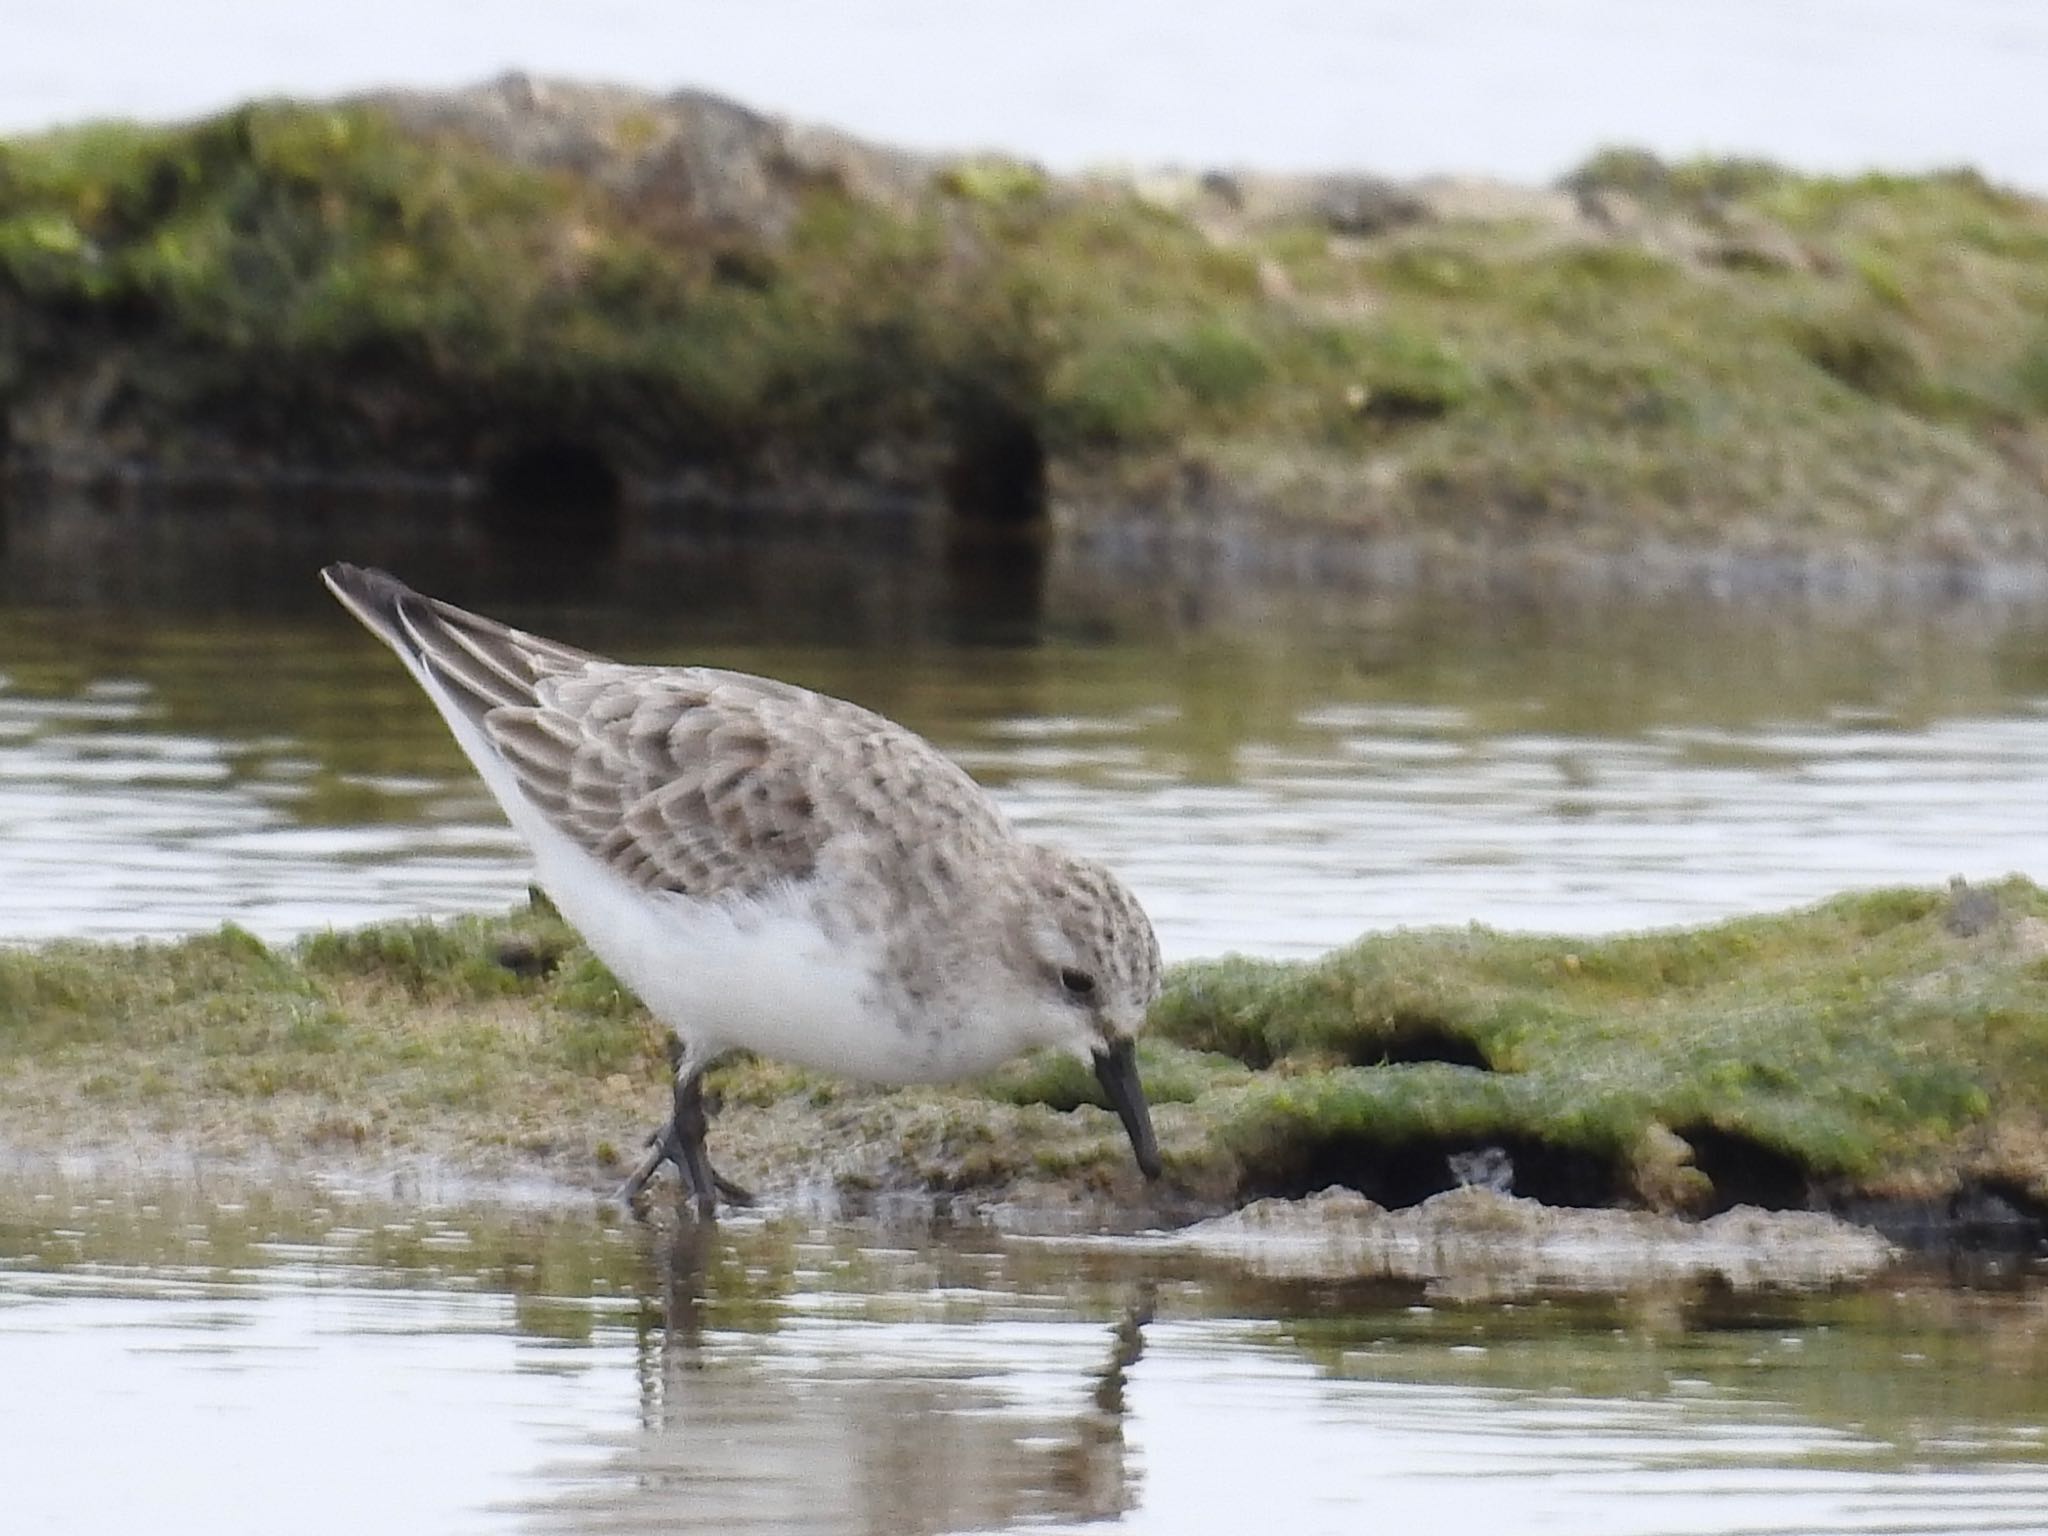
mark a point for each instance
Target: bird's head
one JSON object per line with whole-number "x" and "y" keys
{"x": 1089, "y": 951}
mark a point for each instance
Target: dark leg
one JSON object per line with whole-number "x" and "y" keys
{"x": 681, "y": 1141}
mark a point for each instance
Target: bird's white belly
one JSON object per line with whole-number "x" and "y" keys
{"x": 761, "y": 975}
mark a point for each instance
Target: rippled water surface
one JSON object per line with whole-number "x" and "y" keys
{"x": 190, "y": 1357}
{"x": 195, "y": 735}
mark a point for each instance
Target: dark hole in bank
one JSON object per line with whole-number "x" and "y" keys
{"x": 556, "y": 492}
{"x": 1745, "y": 1171}
{"x": 528, "y": 959}
{"x": 996, "y": 476}
{"x": 1978, "y": 1225}
{"x": 1397, "y": 1174}
{"x": 1411, "y": 1040}
{"x": 1997, "y": 1215}
{"x": 1393, "y": 406}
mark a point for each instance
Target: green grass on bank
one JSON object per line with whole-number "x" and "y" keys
{"x": 1887, "y": 1044}
{"x": 1895, "y": 1041}
{"x": 1719, "y": 350}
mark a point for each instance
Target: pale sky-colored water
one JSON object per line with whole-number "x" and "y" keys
{"x": 1519, "y": 88}
{"x": 176, "y": 1361}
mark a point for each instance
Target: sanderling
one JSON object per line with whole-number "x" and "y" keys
{"x": 773, "y": 869}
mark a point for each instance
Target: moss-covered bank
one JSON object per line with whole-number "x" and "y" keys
{"x": 1889, "y": 1047}
{"x": 545, "y": 282}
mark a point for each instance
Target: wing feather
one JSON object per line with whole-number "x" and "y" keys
{"x": 690, "y": 780}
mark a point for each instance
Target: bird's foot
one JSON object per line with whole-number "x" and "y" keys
{"x": 667, "y": 1145}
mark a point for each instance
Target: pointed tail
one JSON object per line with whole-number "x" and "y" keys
{"x": 465, "y": 661}
{"x": 378, "y": 599}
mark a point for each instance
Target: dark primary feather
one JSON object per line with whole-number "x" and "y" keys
{"x": 687, "y": 778}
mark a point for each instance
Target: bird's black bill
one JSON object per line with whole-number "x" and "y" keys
{"x": 1116, "y": 1068}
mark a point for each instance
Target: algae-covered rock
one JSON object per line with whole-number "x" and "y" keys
{"x": 1869, "y": 1045}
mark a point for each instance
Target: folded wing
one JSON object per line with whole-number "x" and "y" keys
{"x": 687, "y": 779}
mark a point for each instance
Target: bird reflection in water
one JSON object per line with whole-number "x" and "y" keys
{"x": 843, "y": 1412}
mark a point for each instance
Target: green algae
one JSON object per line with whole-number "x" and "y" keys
{"x": 1719, "y": 351}
{"x": 418, "y": 303}
{"x": 1876, "y": 1043}
{"x": 1891, "y": 1044}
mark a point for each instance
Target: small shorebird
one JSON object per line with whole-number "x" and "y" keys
{"x": 776, "y": 870}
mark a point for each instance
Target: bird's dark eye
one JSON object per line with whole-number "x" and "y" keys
{"x": 1080, "y": 983}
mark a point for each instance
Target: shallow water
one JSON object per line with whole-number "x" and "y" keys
{"x": 189, "y": 730}
{"x": 192, "y": 732}
{"x": 189, "y": 1355}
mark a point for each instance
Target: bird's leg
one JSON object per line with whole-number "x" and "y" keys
{"x": 681, "y": 1141}
{"x": 685, "y": 1136}
{"x": 662, "y": 1145}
